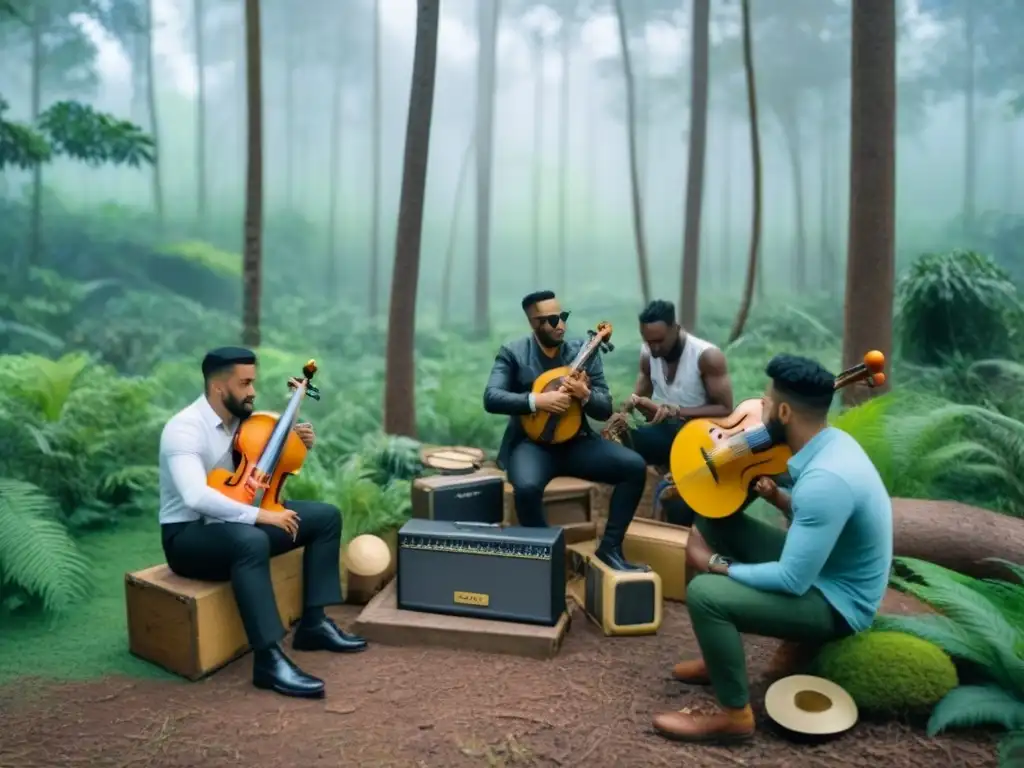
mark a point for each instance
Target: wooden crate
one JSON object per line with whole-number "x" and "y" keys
{"x": 382, "y": 621}
{"x": 662, "y": 546}
{"x": 567, "y": 500}
{"x": 193, "y": 628}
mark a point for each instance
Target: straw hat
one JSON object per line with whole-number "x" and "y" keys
{"x": 367, "y": 555}
{"x": 811, "y": 706}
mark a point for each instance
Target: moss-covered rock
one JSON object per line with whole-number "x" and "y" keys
{"x": 888, "y": 673}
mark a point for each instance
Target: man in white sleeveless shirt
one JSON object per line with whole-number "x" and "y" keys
{"x": 681, "y": 377}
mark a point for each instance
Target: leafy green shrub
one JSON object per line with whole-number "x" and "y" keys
{"x": 971, "y": 626}
{"x": 956, "y": 303}
{"x": 888, "y": 673}
{"x": 39, "y": 562}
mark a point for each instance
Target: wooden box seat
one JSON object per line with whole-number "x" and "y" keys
{"x": 192, "y": 628}
{"x": 569, "y": 502}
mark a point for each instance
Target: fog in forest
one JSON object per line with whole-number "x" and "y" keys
{"x": 321, "y": 50}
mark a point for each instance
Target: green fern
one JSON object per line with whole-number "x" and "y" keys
{"x": 36, "y": 552}
{"x": 1011, "y": 750}
{"x": 969, "y": 706}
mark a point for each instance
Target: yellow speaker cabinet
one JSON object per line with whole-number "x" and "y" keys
{"x": 663, "y": 547}
{"x": 619, "y": 602}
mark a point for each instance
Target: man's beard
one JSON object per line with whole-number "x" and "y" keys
{"x": 777, "y": 431}
{"x": 547, "y": 339}
{"x": 240, "y": 409}
{"x": 675, "y": 353}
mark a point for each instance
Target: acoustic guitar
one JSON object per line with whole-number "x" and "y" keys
{"x": 555, "y": 428}
{"x": 714, "y": 462}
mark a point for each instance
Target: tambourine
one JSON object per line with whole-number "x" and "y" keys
{"x": 455, "y": 460}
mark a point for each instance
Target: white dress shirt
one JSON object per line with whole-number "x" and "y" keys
{"x": 194, "y": 442}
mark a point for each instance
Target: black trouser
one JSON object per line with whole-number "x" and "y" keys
{"x": 654, "y": 443}
{"x": 241, "y": 554}
{"x": 532, "y": 466}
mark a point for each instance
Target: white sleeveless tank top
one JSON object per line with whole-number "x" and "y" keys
{"x": 687, "y": 388}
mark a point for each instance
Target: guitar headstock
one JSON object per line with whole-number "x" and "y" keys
{"x": 603, "y": 336}
{"x": 871, "y": 371}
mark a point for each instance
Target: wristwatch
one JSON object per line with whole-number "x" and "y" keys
{"x": 717, "y": 559}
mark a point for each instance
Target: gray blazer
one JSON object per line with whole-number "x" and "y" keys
{"x": 516, "y": 366}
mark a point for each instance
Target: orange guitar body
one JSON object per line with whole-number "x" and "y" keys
{"x": 250, "y": 440}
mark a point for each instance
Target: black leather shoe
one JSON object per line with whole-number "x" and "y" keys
{"x": 326, "y": 636}
{"x": 273, "y": 671}
{"x": 612, "y": 557}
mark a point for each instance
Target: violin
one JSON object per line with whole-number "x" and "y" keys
{"x": 714, "y": 462}
{"x": 555, "y": 428}
{"x": 268, "y": 452}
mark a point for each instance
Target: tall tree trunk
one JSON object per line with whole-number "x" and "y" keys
{"x": 374, "y": 308}
{"x": 538, "y": 151}
{"x": 488, "y": 13}
{"x": 701, "y": 21}
{"x": 789, "y": 120}
{"x": 197, "y": 13}
{"x": 970, "y": 122}
{"x": 400, "y": 389}
{"x": 335, "y": 175}
{"x": 449, "y": 256}
{"x": 563, "y": 155}
{"x": 289, "y": 114}
{"x": 727, "y": 259}
{"x": 755, "y": 161}
{"x": 634, "y": 169}
{"x": 36, "y": 224}
{"x": 870, "y": 268}
{"x": 827, "y": 256}
{"x": 252, "y": 253}
{"x": 154, "y": 117}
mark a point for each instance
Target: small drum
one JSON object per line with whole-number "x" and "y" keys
{"x": 455, "y": 460}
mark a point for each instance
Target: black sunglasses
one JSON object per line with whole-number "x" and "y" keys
{"x": 552, "y": 320}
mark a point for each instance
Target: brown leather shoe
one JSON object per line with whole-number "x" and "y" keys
{"x": 691, "y": 672}
{"x": 721, "y": 725}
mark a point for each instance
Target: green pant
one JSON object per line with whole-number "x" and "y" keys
{"x": 721, "y": 608}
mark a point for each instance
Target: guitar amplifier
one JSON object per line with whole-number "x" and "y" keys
{"x": 619, "y": 602}
{"x": 475, "y": 498}
{"x": 482, "y": 571}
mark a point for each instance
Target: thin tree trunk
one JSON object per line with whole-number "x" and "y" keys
{"x": 726, "y": 258}
{"x": 563, "y": 155}
{"x": 634, "y": 170}
{"x": 374, "y": 308}
{"x": 35, "y": 256}
{"x": 827, "y": 256}
{"x": 334, "y": 182}
{"x": 154, "y": 117}
{"x": 970, "y": 123}
{"x": 252, "y": 254}
{"x": 400, "y": 392}
{"x": 755, "y": 161}
{"x": 538, "y": 150}
{"x": 701, "y": 21}
{"x": 870, "y": 268}
{"x": 197, "y": 13}
{"x": 488, "y": 13}
{"x": 789, "y": 122}
{"x": 453, "y": 231}
{"x": 289, "y": 115}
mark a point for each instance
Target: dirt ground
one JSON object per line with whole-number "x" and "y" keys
{"x": 408, "y": 707}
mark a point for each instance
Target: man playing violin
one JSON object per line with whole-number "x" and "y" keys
{"x": 210, "y": 537}
{"x": 531, "y": 466}
{"x": 822, "y": 579}
{"x": 681, "y": 377}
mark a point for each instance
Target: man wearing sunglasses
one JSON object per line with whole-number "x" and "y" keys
{"x": 531, "y": 466}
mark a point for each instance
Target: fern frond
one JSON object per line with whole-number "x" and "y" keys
{"x": 941, "y": 631}
{"x": 972, "y": 705}
{"x": 1011, "y": 750}
{"x": 36, "y": 552}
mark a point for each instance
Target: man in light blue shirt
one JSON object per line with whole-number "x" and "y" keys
{"x": 822, "y": 579}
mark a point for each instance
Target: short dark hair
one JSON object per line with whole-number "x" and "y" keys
{"x": 222, "y": 359}
{"x": 535, "y": 298}
{"x": 659, "y": 311}
{"x": 803, "y": 383}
